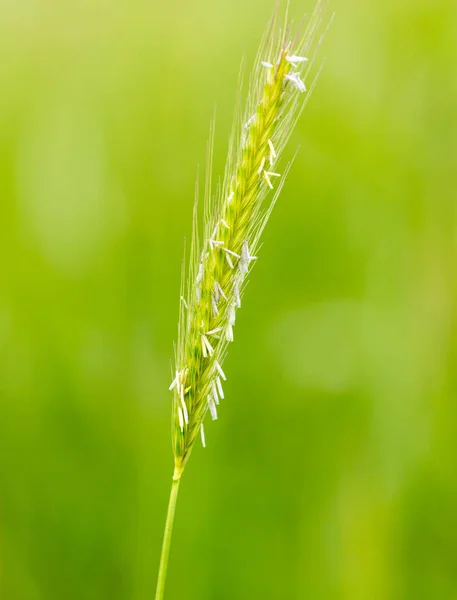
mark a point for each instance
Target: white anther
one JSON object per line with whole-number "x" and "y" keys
{"x": 229, "y": 333}
{"x": 221, "y": 372}
{"x": 267, "y": 179}
{"x": 181, "y": 419}
{"x": 202, "y": 433}
{"x": 214, "y": 305}
{"x": 262, "y": 164}
{"x": 297, "y": 81}
{"x": 231, "y": 252}
{"x": 245, "y": 253}
{"x": 212, "y": 408}
{"x": 220, "y": 290}
{"x": 213, "y": 331}
{"x": 204, "y": 350}
{"x": 219, "y": 387}
{"x": 217, "y": 293}
{"x": 175, "y": 381}
{"x": 267, "y": 175}
{"x": 207, "y": 345}
{"x": 232, "y": 315}
{"x": 273, "y": 154}
{"x": 296, "y": 60}
{"x": 236, "y": 292}
{"x": 184, "y": 407}
{"x": 246, "y": 258}
{"x": 214, "y": 388}
{"x": 249, "y": 122}
{"x": 200, "y": 273}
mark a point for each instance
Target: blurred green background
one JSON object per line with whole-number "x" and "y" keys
{"x": 332, "y": 471}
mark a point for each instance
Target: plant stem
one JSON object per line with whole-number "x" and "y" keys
{"x": 162, "y": 576}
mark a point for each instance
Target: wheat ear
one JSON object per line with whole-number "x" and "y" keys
{"x": 234, "y": 218}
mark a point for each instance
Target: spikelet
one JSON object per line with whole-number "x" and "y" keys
{"x": 234, "y": 218}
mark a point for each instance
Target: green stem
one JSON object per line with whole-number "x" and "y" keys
{"x": 161, "y": 578}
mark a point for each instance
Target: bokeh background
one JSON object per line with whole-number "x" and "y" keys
{"x": 332, "y": 471}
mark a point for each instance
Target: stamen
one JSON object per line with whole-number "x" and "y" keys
{"x": 221, "y": 372}
{"x": 231, "y": 252}
{"x": 217, "y": 293}
{"x": 246, "y": 258}
{"x": 184, "y": 408}
{"x": 200, "y": 273}
{"x": 245, "y": 253}
{"x": 212, "y": 408}
{"x": 202, "y": 433}
{"x": 266, "y": 64}
{"x": 213, "y": 331}
{"x": 214, "y": 305}
{"x": 219, "y": 387}
{"x": 249, "y": 122}
{"x": 229, "y": 260}
{"x": 262, "y": 164}
{"x": 205, "y": 353}
{"x": 181, "y": 420}
{"x": 296, "y": 60}
{"x": 214, "y": 388}
{"x": 232, "y": 315}
{"x": 236, "y": 292}
{"x": 220, "y": 290}
{"x": 183, "y": 300}
{"x": 174, "y": 383}
{"x": 267, "y": 179}
{"x": 297, "y": 81}
{"x": 208, "y": 345}
{"x": 229, "y": 333}
{"x": 272, "y": 150}
{"x": 224, "y": 223}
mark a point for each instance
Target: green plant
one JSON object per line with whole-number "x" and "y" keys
{"x": 233, "y": 220}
